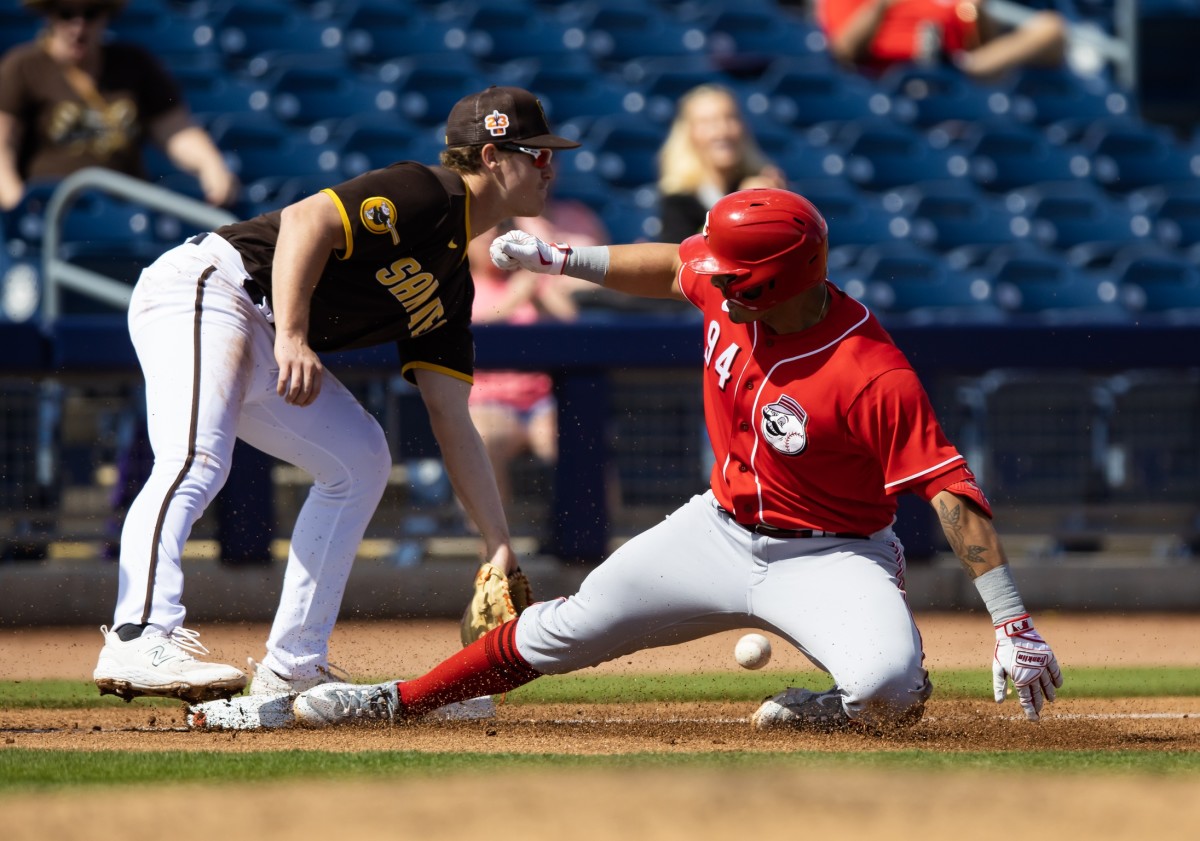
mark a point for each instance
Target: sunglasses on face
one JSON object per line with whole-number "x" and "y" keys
{"x": 88, "y": 14}
{"x": 541, "y": 157}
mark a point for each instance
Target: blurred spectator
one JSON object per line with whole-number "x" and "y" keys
{"x": 515, "y": 411}
{"x": 70, "y": 100}
{"x": 873, "y": 34}
{"x": 709, "y": 152}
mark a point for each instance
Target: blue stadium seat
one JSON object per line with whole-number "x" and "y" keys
{"x": 902, "y": 279}
{"x": 881, "y": 154}
{"x": 586, "y": 187}
{"x": 1004, "y": 155}
{"x": 1129, "y": 154}
{"x": 926, "y": 96}
{"x": 121, "y": 260}
{"x": 951, "y": 214}
{"x": 366, "y": 142}
{"x": 244, "y": 30}
{"x": 427, "y": 88}
{"x": 1063, "y": 214}
{"x": 617, "y": 33}
{"x": 1158, "y": 283}
{"x": 1044, "y": 96}
{"x": 1173, "y": 210}
{"x": 179, "y": 41}
{"x": 621, "y": 149}
{"x": 1040, "y": 284}
{"x": 661, "y": 82}
{"x": 856, "y": 219}
{"x": 95, "y": 217}
{"x": 210, "y": 93}
{"x": 259, "y": 146}
{"x": 805, "y": 92}
{"x": 374, "y": 31}
{"x": 304, "y": 95}
{"x": 746, "y": 35}
{"x": 18, "y": 25}
{"x": 630, "y": 220}
{"x": 495, "y": 34}
{"x": 572, "y": 91}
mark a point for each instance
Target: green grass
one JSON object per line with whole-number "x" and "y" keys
{"x": 24, "y": 769}
{"x": 718, "y": 686}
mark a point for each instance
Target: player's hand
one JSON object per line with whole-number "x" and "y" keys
{"x": 300, "y": 371}
{"x": 1023, "y": 657}
{"x": 517, "y": 249}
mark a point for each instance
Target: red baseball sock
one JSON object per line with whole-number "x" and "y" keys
{"x": 488, "y": 666}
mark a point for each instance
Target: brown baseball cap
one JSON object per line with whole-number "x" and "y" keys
{"x": 502, "y": 115}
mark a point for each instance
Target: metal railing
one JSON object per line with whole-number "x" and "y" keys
{"x": 58, "y": 273}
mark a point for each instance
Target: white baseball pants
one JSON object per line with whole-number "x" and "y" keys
{"x": 841, "y": 602}
{"x": 207, "y": 354}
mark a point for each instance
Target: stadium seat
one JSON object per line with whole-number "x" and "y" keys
{"x": 17, "y": 25}
{"x": 881, "y": 154}
{"x": 179, "y": 41}
{"x": 659, "y": 83}
{"x": 375, "y": 31}
{"x": 572, "y": 91}
{"x": 302, "y": 96}
{"x": 746, "y": 36}
{"x": 210, "y": 93}
{"x": 366, "y": 142}
{"x": 856, "y": 220}
{"x": 808, "y": 91}
{"x": 1155, "y": 436}
{"x": 427, "y": 88}
{"x": 1173, "y": 210}
{"x": 615, "y": 33}
{"x": 903, "y": 280}
{"x": 244, "y": 30}
{"x": 926, "y": 96}
{"x": 629, "y": 219}
{"x": 1063, "y": 214}
{"x": 951, "y": 214}
{"x": 494, "y": 34}
{"x": 621, "y": 149}
{"x": 259, "y": 146}
{"x": 1129, "y": 154}
{"x": 1005, "y": 155}
{"x": 1041, "y": 285}
{"x": 1158, "y": 283}
{"x": 1044, "y": 96}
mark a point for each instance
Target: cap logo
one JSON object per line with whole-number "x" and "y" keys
{"x": 496, "y": 124}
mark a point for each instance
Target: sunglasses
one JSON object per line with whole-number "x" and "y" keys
{"x": 88, "y": 14}
{"x": 541, "y": 157}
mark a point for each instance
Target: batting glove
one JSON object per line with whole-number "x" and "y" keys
{"x": 519, "y": 250}
{"x": 1023, "y": 657}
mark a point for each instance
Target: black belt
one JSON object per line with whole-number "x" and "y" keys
{"x": 198, "y": 238}
{"x": 788, "y": 534}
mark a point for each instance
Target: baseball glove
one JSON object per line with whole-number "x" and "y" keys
{"x": 497, "y": 599}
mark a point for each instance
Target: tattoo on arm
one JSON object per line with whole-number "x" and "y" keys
{"x": 971, "y": 555}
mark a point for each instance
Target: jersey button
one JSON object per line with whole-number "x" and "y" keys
{"x": 742, "y": 468}
{"x": 743, "y": 426}
{"x": 749, "y": 385}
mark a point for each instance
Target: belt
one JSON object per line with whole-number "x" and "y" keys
{"x": 788, "y": 534}
{"x": 198, "y": 238}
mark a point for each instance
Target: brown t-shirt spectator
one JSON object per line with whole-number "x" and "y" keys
{"x": 404, "y": 275}
{"x": 62, "y": 131}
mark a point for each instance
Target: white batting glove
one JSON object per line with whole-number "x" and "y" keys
{"x": 1023, "y": 657}
{"x": 517, "y": 249}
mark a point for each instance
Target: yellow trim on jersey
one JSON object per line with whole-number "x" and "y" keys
{"x": 345, "y": 222}
{"x": 440, "y": 369}
{"x": 466, "y": 220}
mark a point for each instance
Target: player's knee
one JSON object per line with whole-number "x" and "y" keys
{"x": 895, "y": 699}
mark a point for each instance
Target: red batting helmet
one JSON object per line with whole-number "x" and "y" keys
{"x": 770, "y": 245}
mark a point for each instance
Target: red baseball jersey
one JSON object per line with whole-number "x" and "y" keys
{"x": 896, "y": 39}
{"x": 820, "y": 429}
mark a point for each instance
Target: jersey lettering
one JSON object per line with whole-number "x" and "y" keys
{"x": 413, "y": 289}
{"x": 427, "y": 318}
{"x": 724, "y": 363}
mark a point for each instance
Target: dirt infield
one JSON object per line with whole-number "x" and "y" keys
{"x": 643, "y": 804}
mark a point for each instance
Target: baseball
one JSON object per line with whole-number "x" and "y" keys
{"x": 752, "y": 651}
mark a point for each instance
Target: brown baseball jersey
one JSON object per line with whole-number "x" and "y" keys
{"x": 403, "y": 276}
{"x": 62, "y": 131}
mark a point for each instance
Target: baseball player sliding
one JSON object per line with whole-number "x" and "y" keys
{"x": 228, "y": 328}
{"x": 817, "y": 423}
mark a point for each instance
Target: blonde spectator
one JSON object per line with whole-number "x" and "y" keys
{"x": 709, "y": 153}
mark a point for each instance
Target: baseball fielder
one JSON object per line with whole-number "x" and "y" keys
{"x": 818, "y": 423}
{"x": 228, "y": 328}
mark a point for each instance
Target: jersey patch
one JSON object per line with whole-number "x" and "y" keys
{"x": 379, "y": 217}
{"x": 785, "y": 426}
{"x": 496, "y": 124}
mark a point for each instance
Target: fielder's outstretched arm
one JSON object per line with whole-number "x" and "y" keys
{"x": 645, "y": 269}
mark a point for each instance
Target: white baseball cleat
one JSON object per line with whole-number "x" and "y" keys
{"x": 802, "y": 709}
{"x": 248, "y": 712}
{"x": 347, "y": 703}
{"x": 266, "y": 681}
{"x": 163, "y": 665}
